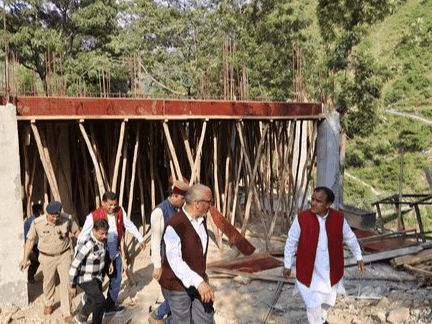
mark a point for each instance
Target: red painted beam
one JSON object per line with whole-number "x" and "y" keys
{"x": 28, "y": 107}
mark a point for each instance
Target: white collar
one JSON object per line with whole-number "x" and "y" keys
{"x": 198, "y": 220}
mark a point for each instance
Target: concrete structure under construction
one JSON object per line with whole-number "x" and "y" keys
{"x": 75, "y": 149}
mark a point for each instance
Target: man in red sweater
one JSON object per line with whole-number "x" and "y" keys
{"x": 318, "y": 235}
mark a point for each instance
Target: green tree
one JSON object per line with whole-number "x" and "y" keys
{"x": 37, "y": 29}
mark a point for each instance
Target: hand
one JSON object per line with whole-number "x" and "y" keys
{"x": 157, "y": 273}
{"x": 286, "y": 273}
{"x": 361, "y": 266}
{"x": 143, "y": 245}
{"x": 206, "y": 292}
{"x": 72, "y": 291}
{"x": 110, "y": 269}
{"x": 23, "y": 265}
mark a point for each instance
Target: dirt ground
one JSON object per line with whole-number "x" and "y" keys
{"x": 382, "y": 295}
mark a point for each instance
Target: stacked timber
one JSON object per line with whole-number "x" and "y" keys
{"x": 420, "y": 264}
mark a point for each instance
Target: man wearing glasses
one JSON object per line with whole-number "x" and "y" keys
{"x": 55, "y": 253}
{"x": 184, "y": 281}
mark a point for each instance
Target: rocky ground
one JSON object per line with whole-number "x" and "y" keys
{"x": 382, "y": 295}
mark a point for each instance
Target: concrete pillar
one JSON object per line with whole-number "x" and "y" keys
{"x": 328, "y": 165}
{"x": 13, "y": 283}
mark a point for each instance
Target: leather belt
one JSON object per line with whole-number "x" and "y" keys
{"x": 53, "y": 255}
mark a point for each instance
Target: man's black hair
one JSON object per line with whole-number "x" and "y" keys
{"x": 330, "y": 195}
{"x": 109, "y": 195}
{"x": 37, "y": 209}
{"x": 101, "y": 224}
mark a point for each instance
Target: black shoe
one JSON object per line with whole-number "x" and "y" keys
{"x": 116, "y": 309}
{"x": 326, "y": 322}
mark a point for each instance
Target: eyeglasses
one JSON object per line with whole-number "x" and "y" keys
{"x": 209, "y": 201}
{"x": 55, "y": 215}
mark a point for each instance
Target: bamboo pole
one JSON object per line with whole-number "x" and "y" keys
{"x": 172, "y": 150}
{"x": 198, "y": 154}
{"x": 152, "y": 173}
{"x": 46, "y": 161}
{"x": 187, "y": 147}
{"x": 123, "y": 173}
{"x": 99, "y": 158}
{"x": 134, "y": 162}
{"x": 99, "y": 181}
{"x": 142, "y": 200}
{"x": 118, "y": 155}
{"x": 237, "y": 187}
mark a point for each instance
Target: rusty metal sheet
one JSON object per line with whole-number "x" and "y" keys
{"x": 252, "y": 263}
{"x": 386, "y": 244}
{"x": 231, "y": 232}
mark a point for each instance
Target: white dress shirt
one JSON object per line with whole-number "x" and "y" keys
{"x": 157, "y": 228}
{"x": 174, "y": 255}
{"x": 320, "y": 290}
{"x": 112, "y": 237}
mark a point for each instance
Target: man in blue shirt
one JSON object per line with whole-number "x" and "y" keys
{"x": 37, "y": 210}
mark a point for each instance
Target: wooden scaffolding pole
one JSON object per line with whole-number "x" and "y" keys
{"x": 46, "y": 160}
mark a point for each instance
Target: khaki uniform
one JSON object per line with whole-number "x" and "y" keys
{"x": 55, "y": 254}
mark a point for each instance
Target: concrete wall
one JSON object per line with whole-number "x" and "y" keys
{"x": 13, "y": 283}
{"x": 328, "y": 164}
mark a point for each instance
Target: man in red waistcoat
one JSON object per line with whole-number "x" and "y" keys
{"x": 117, "y": 221}
{"x": 318, "y": 235}
{"x": 184, "y": 281}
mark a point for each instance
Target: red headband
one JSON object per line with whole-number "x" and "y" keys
{"x": 177, "y": 190}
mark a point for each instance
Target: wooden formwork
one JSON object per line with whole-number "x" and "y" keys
{"x": 256, "y": 167}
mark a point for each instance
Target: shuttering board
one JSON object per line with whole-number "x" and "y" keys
{"x": 251, "y": 264}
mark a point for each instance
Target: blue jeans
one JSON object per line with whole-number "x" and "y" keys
{"x": 115, "y": 280}
{"x": 184, "y": 310}
{"x": 162, "y": 310}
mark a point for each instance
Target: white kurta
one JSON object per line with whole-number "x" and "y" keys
{"x": 320, "y": 290}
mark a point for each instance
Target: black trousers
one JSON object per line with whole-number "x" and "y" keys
{"x": 34, "y": 264}
{"x": 96, "y": 300}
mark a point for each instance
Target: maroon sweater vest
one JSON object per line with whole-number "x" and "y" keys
{"x": 308, "y": 242}
{"x": 100, "y": 213}
{"x": 192, "y": 252}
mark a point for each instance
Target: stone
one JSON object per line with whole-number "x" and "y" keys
{"x": 398, "y": 315}
{"x": 383, "y": 303}
{"x": 243, "y": 280}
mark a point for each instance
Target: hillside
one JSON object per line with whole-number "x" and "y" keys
{"x": 402, "y": 45}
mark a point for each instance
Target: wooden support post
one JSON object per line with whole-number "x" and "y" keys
{"x": 142, "y": 200}
{"x": 198, "y": 154}
{"x": 152, "y": 173}
{"x": 123, "y": 174}
{"x": 134, "y": 162}
{"x": 187, "y": 147}
{"x": 420, "y": 223}
{"x": 46, "y": 160}
{"x": 118, "y": 155}
{"x": 237, "y": 187}
{"x": 98, "y": 174}
{"x": 172, "y": 150}
{"x": 99, "y": 158}
{"x": 380, "y": 218}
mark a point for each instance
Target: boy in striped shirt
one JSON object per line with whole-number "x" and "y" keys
{"x": 87, "y": 271}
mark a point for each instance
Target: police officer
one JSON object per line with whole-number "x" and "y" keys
{"x": 54, "y": 233}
